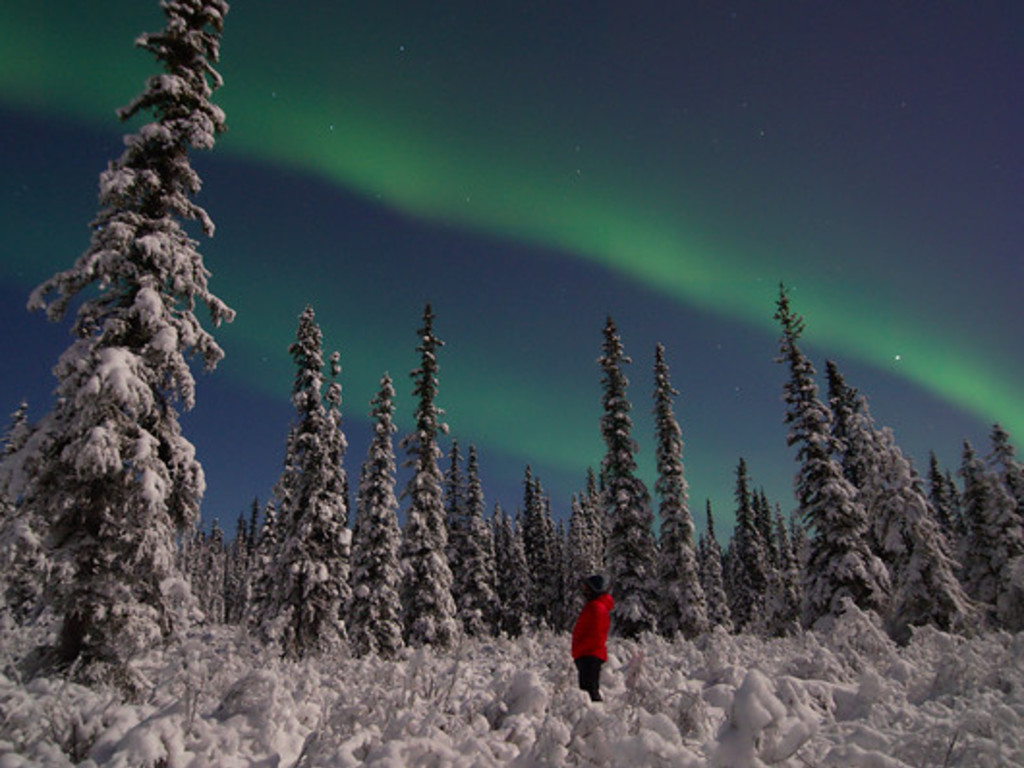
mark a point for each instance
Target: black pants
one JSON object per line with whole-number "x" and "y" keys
{"x": 589, "y": 668}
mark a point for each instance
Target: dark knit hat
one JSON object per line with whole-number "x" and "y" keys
{"x": 595, "y": 584}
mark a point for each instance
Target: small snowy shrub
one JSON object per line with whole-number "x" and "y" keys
{"x": 762, "y": 729}
{"x": 859, "y": 637}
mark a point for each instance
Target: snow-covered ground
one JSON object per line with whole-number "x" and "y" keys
{"x": 850, "y": 698}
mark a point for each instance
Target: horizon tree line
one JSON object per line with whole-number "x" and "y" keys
{"x": 768, "y": 577}
{"x": 865, "y": 532}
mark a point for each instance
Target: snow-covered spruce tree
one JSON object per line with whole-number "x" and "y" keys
{"x": 308, "y": 584}
{"x": 994, "y": 544}
{"x": 538, "y": 534}
{"x": 710, "y": 569}
{"x": 245, "y": 553}
{"x": 566, "y": 609}
{"x": 683, "y": 608}
{"x": 1003, "y": 465}
{"x": 840, "y": 564}
{"x": 625, "y": 501}
{"x": 944, "y": 498}
{"x": 186, "y": 560}
{"x": 114, "y": 476}
{"x": 903, "y": 528}
{"x": 766, "y": 527}
{"x": 801, "y": 545}
{"x": 15, "y": 436}
{"x": 473, "y": 586}
{"x": 470, "y": 545}
{"x": 236, "y": 573}
{"x": 585, "y": 546}
{"x": 727, "y": 571}
{"x": 211, "y": 575}
{"x": 856, "y": 447}
{"x": 584, "y": 550}
{"x": 336, "y": 478}
{"x": 844, "y": 403}
{"x": 427, "y": 604}
{"x": 556, "y": 549}
{"x": 512, "y": 581}
{"x": 261, "y": 571}
{"x": 255, "y": 528}
{"x": 782, "y": 608}
{"x": 925, "y": 586}
{"x": 748, "y": 559}
{"x": 375, "y": 615}
{"x": 591, "y": 501}
{"x": 1002, "y": 462}
{"x": 24, "y": 565}
{"x": 454, "y": 486}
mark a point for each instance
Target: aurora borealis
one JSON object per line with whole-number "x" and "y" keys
{"x": 530, "y": 168}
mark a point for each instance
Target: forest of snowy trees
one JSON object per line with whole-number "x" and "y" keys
{"x": 868, "y": 529}
{"x": 100, "y": 498}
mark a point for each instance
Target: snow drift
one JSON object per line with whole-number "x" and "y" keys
{"x": 849, "y": 698}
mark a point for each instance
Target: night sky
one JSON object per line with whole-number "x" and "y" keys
{"x": 532, "y": 167}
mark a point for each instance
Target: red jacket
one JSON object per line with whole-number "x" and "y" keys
{"x": 590, "y": 635}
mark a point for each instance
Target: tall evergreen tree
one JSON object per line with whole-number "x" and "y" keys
{"x": 1002, "y": 463}
{"x": 566, "y": 607}
{"x": 591, "y": 500}
{"x": 748, "y": 558}
{"x": 429, "y": 610}
{"x": 24, "y": 565}
{"x": 188, "y": 561}
{"x": 261, "y": 570}
{"x": 683, "y": 608}
{"x": 801, "y": 545}
{"x": 903, "y": 530}
{"x": 766, "y": 527}
{"x": 538, "y": 543}
{"x": 213, "y": 572}
{"x": 114, "y": 476}
{"x": 840, "y": 565}
{"x": 994, "y": 544}
{"x": 585, "y": 539}
{"x": 1006, "y": 471}
{"x": 310, "y": 570}
{"x": 711, "y": 579}
{"x": 254, "y": 527}
{"x": 844, "y": 403}
{"x": 375, "y": 621}
{"x": 924, "y": 573}
{"x": 513, "y": 583}
{"x": 625, "y": 501}
{"x": 454, "y": 485}
{"x": 556, "y": 552}
{"x": 728, "y": 566}
{"x": 473, "y": 587}
{"x": 236, "y": 575}
{"x": 17, "y": 434}
{"x": 943, "y": 499}
{"x": 782, "y": 608}
{"x": 584, "y": 548}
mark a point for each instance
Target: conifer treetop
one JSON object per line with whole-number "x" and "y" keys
{"x": 140, "y": 258}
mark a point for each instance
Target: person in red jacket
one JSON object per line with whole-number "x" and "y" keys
{"x": 590, "y": 635}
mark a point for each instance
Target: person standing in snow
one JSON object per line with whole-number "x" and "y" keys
{"x": 590, "y": 635}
